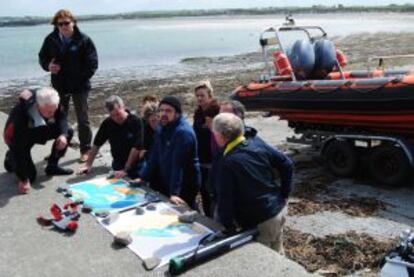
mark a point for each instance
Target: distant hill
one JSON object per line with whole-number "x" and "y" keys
{"x": 30, "y": 20}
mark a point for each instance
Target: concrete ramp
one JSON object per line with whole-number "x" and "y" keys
{"x": 30, "y": 250}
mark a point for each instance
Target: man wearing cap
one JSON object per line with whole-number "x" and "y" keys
{"x": 173, "y": 167}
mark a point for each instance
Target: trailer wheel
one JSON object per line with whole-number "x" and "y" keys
{"x": 341, "y": 158}
{"x": 388, "y": 165}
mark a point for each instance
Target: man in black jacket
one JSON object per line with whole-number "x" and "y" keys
{"x": 247, "y": 193}
{"x": 70, "y": 56}
{"x": 35, "y": 121}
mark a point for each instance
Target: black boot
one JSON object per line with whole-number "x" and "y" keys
{"x": 52, "y": 170}
{"x": 8, "y": 163}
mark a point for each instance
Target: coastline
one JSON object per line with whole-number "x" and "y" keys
{"x": 225, "y": 73}
{"x": 32, "y": 20}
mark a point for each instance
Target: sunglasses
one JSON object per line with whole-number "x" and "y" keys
{"x": 64, "y": 23}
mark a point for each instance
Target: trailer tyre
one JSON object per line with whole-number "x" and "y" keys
{"x": 341, "y": 158}
{"x": 388, "y": 165}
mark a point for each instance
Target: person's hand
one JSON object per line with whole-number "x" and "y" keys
{"x": 25, "y": 94}
{"x": 53, "y": 67}
{"x": 118, "y": 174}
{"x": 177, "y": 200}
{"x": 84, "y": 169}
{"x": 61, "y": 142}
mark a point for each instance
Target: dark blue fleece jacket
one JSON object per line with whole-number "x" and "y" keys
{"x": 173, "y": 167}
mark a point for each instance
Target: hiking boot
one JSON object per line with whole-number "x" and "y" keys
{"x": 52, "y": 170}
{"x": 8, "y": 162}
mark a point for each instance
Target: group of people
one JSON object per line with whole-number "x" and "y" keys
{"x": 218, "y": 157}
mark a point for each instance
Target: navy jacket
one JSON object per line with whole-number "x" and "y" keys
{"x": 247, "y": 192}
{"x": 173, "y": 167}
{"x": 78, "y": 61}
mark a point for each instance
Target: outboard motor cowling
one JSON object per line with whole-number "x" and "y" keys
{"x": 302, "y": 59}
{"x": 325, "y": 58}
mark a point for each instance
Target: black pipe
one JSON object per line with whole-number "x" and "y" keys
{"x": 183, "y": 262}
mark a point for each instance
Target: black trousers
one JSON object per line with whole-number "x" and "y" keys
{"x": 80, "y": 102}
{"x": 205, "y": 192}
{"x": 25, "y": 168}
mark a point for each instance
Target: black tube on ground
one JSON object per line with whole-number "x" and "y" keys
{"x": 183, "y": 262}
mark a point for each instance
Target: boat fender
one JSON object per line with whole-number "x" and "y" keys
{"x": 377, "y": 73}
{"x": 338, "y": 76}
{"x": 341, "y": 58}
{"x": 302, "y": 59}
{"x": 281, "y": 63}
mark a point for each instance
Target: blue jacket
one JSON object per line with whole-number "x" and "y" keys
{"x": 247, "y": 192}
{"x": 173, "y": 167}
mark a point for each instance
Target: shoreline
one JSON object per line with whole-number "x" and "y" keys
{"x": 225, "y": 73}
{"x": 31, "y": 20}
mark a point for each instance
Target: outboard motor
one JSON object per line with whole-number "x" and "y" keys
{"x": 399, "y": 262}
{"x": 302, "y": 59}
{"x": 325, "y": 58}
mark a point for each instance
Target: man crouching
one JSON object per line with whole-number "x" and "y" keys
{"x": 35, "y": 121}
{"x": 247, "y": 194}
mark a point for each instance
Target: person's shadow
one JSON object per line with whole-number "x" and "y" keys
{"x": 9, "y": 188}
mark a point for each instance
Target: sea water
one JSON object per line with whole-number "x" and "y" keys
{"x": 154, "y": 47}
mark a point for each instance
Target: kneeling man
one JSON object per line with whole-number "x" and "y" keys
{"x": 35, "y": 121}
{"x": 247, "y": 194}
{"x": 125, "y": 134}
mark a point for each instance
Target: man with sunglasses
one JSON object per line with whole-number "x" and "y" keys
{"x": 70, "y": 56}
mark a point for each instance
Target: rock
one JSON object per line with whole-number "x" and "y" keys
{"x": 62, "y": 188}
{"x": 86, "y": 209}
{"x": 111, "y": 218}
{"x": 122, "y": 238}
{"x": 151, "y": 207}
{"x": 188, "y": 217}
{"x": 139, "y": 211}
{"x": 67, "y": 193}
{"x": 151, "y": 263}
{"x": 102, "y": 213}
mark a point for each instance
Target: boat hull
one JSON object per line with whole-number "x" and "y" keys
{"x": 382, "y": 105}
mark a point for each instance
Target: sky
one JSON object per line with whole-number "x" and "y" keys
{"x": 82, "y": 7}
